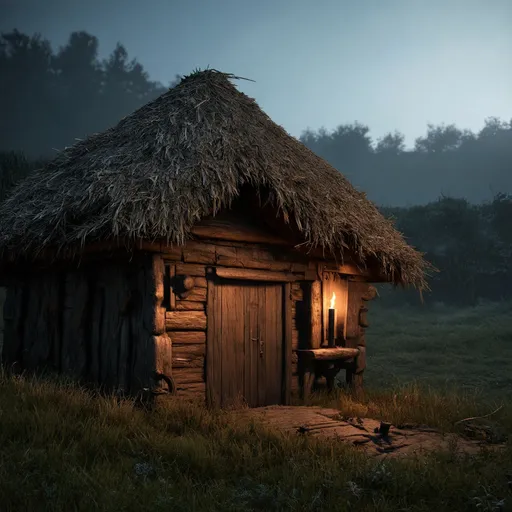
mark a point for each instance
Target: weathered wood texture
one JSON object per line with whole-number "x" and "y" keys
{"x": 121, "y": 323}
{"x": 185, "y": 320}
{"x": 196, "y": 255}
{"x": 316, "y": 319}
{"x": 288, "y": 310}
{"x": 245, "y": 351}
{"x": 233, "y": 260}
{"x": 330, "y": 354}
{"x": 226, "y": 228}
{"x": 254, "y": 275}
{"x": 102, "y": 325}
{"x": 237, "y": 255}
{"x": 356, "y": 291}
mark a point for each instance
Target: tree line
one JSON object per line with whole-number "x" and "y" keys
{"x": 470, "y": 245}
{"x": 49, "y": 98}
{"x": 447, "y": 161}
{"x": 449, "y": 195}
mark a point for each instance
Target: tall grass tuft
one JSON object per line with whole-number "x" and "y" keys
{"x": 65, "y": 449}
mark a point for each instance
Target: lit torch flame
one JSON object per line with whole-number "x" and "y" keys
{"x": 333, "y": 300}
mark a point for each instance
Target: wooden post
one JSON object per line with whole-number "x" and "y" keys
{"x": 212, "y": 398}
{"x": 288, "y": 333}
{"x": 316, "y": 314}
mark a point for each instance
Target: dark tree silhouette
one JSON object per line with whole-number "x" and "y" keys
{"x": 48, "y": 99}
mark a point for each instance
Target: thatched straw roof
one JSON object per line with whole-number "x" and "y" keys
{"x": 173, "y": 161}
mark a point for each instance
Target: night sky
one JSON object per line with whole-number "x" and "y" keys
{"x": 394, "y": 64}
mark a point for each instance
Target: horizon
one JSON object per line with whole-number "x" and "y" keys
{"x": 451, "y": 71}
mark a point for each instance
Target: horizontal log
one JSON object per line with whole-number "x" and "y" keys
{"x": 371, "y": 273}
{"x": 192, "y": 391}
{"x": 328, "y": 354}
{"x": 188, "y": 349}
{"x": 185, "y": 337}
{"x": 189, "y": 305}
{"x": 188, "y": 356}
{"x": 174, "y": 253}
{"x": 252, "y": 253}
{"x": 185, "y": 320}
{"x": 230, "y": 230}
{"x": 226, "y": 244}
{"x": 231, "y": 251}
{"x": 200, "y": 282}
{"x": 197, "y": 252}
{"x": 254, "y": 275}
{"x": 191, "y": 386}
{"x": 187, "y": 376}
{"x": 190, "y": 269}
{"x": 299, "y": 267}
{"x": 254, "y": 263}
{"x": 195, "y": 294}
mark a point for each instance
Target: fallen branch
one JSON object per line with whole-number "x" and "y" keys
{"x": 479, "y": 417}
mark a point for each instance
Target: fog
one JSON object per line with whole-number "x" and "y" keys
{"x": 411, "y": 101}
{"x": 390, "y": 66}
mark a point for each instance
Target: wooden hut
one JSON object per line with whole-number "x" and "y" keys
{"x": 195, "y": 248}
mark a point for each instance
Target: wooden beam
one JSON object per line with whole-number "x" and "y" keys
{"x": 254, "y": 275}
{"x": 190, "y": 269}
{"x": 370, "y": 273}
{"x": 288, "y": 340}
{"x": 185, "y": 320}
{"x": 243, "y": 262}
{"x": 216, "y": 228}
{"x": 212, "y": 397}
{"x": 189, "y": 305}
{"x": 315, "y": 307}
{"x": 188, "y": 356}
{"x": 187, "y": 337}
{"x": 328, "y": 354}
{"x": 172, "y": 295}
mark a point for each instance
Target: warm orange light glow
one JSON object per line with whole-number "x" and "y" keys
{"x": 333, "y": 300}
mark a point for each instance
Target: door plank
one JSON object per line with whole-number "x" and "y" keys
{"x": 238, "y": 345}
{"x": 271, "y": 344}
{"x": 252, "y": 354}
{"x": 239, "y": 316}
{"x": 216, "y": 346}
{"x": 262, "y": 374}
{"x": 278, "y": 345}
{"x": 225, "y": 341}
{"x": 287, "y": 343}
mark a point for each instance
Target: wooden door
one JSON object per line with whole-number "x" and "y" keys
{"x": 245, "y": 343}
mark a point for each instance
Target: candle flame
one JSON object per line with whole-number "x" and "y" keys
{"x": 333, "y": 300}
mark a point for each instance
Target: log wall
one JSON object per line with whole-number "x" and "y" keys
{"x": 186, "y": 318}
{"x": 141, "y": 324}
{"x": 100, "y": 324}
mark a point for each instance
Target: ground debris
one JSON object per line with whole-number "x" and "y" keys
{"x": 366, "y": 433}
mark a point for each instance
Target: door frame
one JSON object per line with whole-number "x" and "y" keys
{"x": 268, "y": 277}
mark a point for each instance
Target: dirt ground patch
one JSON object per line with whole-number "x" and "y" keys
{"x": 402, "y": 440}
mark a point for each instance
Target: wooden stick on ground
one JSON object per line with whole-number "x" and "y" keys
{"x": 479, "y": 417}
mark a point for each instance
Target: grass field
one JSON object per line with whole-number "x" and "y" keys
{"x": 470, "y": 349}
{"x": 62, "y": 449}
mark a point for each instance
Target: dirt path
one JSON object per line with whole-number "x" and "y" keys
{"x": 403, "y": 441}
